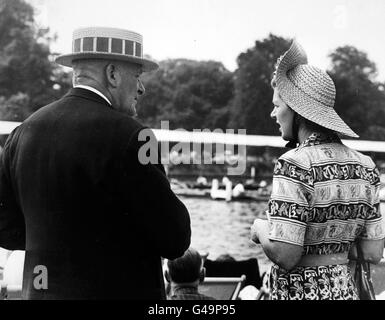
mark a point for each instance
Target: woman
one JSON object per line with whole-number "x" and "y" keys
{"x": 324, "y": 199}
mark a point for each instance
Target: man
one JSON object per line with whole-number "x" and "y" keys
{"x": 93, "y": 220}
{"x": 184, "y": 276}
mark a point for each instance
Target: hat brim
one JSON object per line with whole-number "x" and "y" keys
{"x": 318, "y": 113}
{"x": 302, "y": 103}
{"x": 67, "y": 59}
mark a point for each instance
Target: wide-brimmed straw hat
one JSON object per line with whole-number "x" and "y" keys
{"x": 308, "y": 90}
{"x": 107, "y": 43}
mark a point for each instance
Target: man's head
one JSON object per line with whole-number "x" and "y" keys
{"x": 119, "y": 81}
{"x": 110, "y": 60}
{"x": 186, "y": 269}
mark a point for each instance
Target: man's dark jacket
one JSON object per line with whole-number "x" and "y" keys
{"x": 74, "y": 195}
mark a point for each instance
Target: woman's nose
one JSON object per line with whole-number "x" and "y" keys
{"x": 141, "y": 89}
{"x": 273, "y": 113}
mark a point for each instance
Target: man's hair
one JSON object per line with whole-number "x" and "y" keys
{"x": 225, "y": 257}
{"x": 94, "y": 68}
{"x": 88, "y": 68}
{"x": 186, "y": 268}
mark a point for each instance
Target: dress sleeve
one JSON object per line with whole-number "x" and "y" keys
{"x": 290, "y": 202}
{"x": 373, "y": 228}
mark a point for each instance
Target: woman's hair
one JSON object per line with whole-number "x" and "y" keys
{"x": 273, "y": 82}
{"x": 312, "y": 126}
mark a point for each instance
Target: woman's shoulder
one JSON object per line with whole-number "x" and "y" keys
{"x": 298, "y": 157}
{"x": 332, "y": 153}
{"x": 366, "y": 160}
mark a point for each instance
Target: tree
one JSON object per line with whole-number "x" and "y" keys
{"x": 13, "y": 109}
{"x": 26, "y": 68}
{"x": 253, "y": 93}
{"x": 360, "y": 99}
{"x": 190, "y": 94}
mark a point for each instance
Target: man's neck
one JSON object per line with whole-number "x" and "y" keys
{"x": 176, "y": 286}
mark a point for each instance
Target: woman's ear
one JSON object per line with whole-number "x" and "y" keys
{"x": 297, "y": 119}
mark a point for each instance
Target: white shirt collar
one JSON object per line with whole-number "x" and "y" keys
{"x": 94, "y": 91}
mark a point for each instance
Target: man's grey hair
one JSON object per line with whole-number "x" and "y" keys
{"x": 94, "y": 69}
{"x": 90, "y": 68}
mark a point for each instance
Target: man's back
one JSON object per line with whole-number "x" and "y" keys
{"x": 97, "y": 219}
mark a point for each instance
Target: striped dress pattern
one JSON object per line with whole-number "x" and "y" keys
{"x": 324, "y": 196}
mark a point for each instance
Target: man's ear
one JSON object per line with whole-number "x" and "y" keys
{"x": 202, "y": 275}
{"x": 112, "y": 75}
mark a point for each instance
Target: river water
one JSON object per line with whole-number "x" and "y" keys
{"x": 220, "y": 228}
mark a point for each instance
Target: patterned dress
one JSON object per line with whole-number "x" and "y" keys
{"x": 324, "y": 196}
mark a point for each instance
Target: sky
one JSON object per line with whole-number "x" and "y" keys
{"x": 222, "y": 29}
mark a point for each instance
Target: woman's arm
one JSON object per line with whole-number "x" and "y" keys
{"x": 372, "y": 250}
{"x": 283, "y": 235}
{"x": 371, "y": 239}
{"x": 283, "y": 254}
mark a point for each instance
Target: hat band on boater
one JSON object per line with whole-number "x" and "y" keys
{"x": 108, "y": 45}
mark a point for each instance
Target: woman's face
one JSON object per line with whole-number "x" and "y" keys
{"x": 283, "y": 115}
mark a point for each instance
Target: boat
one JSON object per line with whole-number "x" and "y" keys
{"x": 218, "y": 193}
{"x": 247, "y": 185}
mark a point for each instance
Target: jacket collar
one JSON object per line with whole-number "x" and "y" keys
{"x": 95, "y": 91}
{"x": 87, "y": 94}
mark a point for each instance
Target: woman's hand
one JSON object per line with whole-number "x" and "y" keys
{"x": 257, "y": 228}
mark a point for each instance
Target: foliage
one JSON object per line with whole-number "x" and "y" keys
{"x": 360, "y": 99}
{"x": 253, "y": 93}
{"x": 189, "y": 94}
{"x": 13, "y": 109}
{"x": 26, "y": 69}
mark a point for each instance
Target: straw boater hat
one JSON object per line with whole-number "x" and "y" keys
{"x": 308, "y": 90}
{"x": 107, "y": 43}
